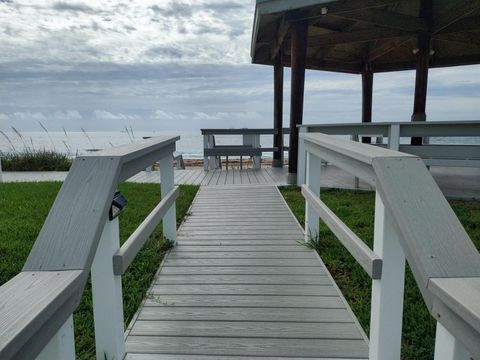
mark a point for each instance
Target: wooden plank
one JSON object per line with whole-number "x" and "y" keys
{"x": 69, "y": 237}
{"x": 240, "y": 262}
{"x": 34, "y": 306}
{"x": 245, "y": 314}
{"x": 240, "y": 270}
{"x": 292, "y": 301}
{"x": 220, "y": 242}
{"x": 247, "y": 346}
{"x": 140, "y": 356}
{"x": 254, "y": 329}
{"x": 242, "y": 289}
{"x": 240, "y": 255}
{"x": 291, "y": 249}
{"x": 208, "y": 177}
{"x": 244, "y": 279}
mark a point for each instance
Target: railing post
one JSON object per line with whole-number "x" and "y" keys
{"x": 356, "y": 180}
{"x": 167, "y": 184}
{"x": 394, "y": 137}
{"x": 301, "y": 164}
{"x": 205, "y": 158}
{"x": 312, "y": 219}
{"x": 387, "y": 293}
{"x": 62, "y": 344}
{"x": 447, "y": 347}
{"x": 107, "y": 296}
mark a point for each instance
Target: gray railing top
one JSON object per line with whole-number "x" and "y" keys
{"x": 407, "y": 129}
{"x": 54, "y": 275}
{"x": 434, "y": 241}
{"x": 245, "y": 131}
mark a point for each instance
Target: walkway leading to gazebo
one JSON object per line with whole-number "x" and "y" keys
{"x": 239, "y": 285}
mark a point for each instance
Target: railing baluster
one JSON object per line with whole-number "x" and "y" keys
{"x": 62, "y": 345}
{"x": 447, "y": 347}
{"x": 167, "y": 184}
{"x": 387, "y": 293}
{"x": 312, "y": 219}
{"x": 107, "y": 296}
{"x": 302, "y": 158}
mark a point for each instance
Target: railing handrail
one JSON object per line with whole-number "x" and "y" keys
{"x": 130, "y": 248}
{"x": 66, "y": 246}
{"x": 407, "y": 128}
{"x": 443, "y": 259}
{"x": 245, "y": 131}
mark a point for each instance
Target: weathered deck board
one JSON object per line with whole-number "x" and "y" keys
{"x": 238, "y": 285}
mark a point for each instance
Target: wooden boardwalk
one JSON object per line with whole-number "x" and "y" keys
{"x": 239, "y": 286}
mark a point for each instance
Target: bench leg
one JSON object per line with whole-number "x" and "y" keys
{"x": 226, "y": 164}
{"x": 241, "y": 162}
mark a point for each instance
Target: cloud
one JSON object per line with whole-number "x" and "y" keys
{"x": 106, "y": 115}
{"x": 67, "y": 115}
{"x": 22, "y": 116}
{"x": 73, "y": 7}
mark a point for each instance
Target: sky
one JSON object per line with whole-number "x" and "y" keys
{"x": 177, "y": 66}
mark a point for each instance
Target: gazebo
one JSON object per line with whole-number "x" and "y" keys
{"x": 360, "y": 37}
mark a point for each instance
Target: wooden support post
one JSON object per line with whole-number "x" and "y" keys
{"x": 107, "y": 296}
{"x": 421, "y": 75}
{"x": 62, "y": 344}
{"x": 314, "y": 165}
{"x": 167, "y": 184}
{"x": 387, "y": 293}
{"x": 367, "y": 96}
{"x": 447, "y": 347}
{"x": 298, "y": 58}
{"x": 302, "y": 158}
{"x": 278, "y": 110}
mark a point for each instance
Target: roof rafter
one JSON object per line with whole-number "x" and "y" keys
{"x": 353, "y": 37}
{"x": 454, "y": 13}
{"x": 388, "y": 19}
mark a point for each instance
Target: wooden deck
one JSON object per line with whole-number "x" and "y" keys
{"x": 239, "y": 285}
{"x": 197, "y": 176}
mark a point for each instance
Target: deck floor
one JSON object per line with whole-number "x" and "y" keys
{"x": 238, "y": 285}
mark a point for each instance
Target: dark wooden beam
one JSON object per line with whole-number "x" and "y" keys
{"x": 338, "y": 7}
{"x": 357, "y": 36}
{"x": 282, "y": 31}
{"x": 454, "y": 13}
{"x": 471, "y": 23}
{"x": 435, "y": 62}
{"x": 387, "y": 19}
{"x": 299, "y": 33}
{"x": 386, "y": 47}
{"x": 461, "y": 38}
{"x": 367, "y": 98}
{"x": 278, "y": 110}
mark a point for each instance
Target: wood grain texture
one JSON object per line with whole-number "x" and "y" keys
{"x": 32, "y": 305}
{"x": 69, "y": 237}
{"x": 238, "y": 284}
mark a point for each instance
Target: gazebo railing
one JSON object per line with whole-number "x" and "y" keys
{"x": 441, "y": 155}
{"x": 81, "y": 235}
{"x": 413, "y": 222}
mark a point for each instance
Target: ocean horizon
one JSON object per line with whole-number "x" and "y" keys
{"x": 190, "y": 145}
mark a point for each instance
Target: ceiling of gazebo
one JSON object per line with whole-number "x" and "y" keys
{"x": 344, "y": 35}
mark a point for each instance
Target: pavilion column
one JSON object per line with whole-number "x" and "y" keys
{"x": 299, "y": 33}
{"x": 367, "y": 96}
{"x": 278, "y": 110}
{"x": 421, "y": 82}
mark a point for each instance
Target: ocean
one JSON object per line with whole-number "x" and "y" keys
{"x": 190, "y": 145}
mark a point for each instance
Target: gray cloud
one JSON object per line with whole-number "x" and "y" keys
{"x": 73, "y": 7}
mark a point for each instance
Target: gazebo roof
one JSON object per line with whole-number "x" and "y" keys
{"x": 344, "y": 35}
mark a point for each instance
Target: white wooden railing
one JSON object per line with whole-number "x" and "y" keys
{"x": 413, "y": 221}
{"x": 439, "y": 155}
{"x": 77, "y": 237}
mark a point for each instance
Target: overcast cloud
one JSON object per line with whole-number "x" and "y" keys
{"x": 176, "y": 65}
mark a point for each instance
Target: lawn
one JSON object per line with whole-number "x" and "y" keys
{"x": 23, "y": 209}
{"x": 356, "y": 209}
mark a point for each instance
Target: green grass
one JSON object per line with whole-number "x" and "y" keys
{"x": 38, "y": 160}
{"x": 23, "y": 209}
{"x": 356, "y": 209}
